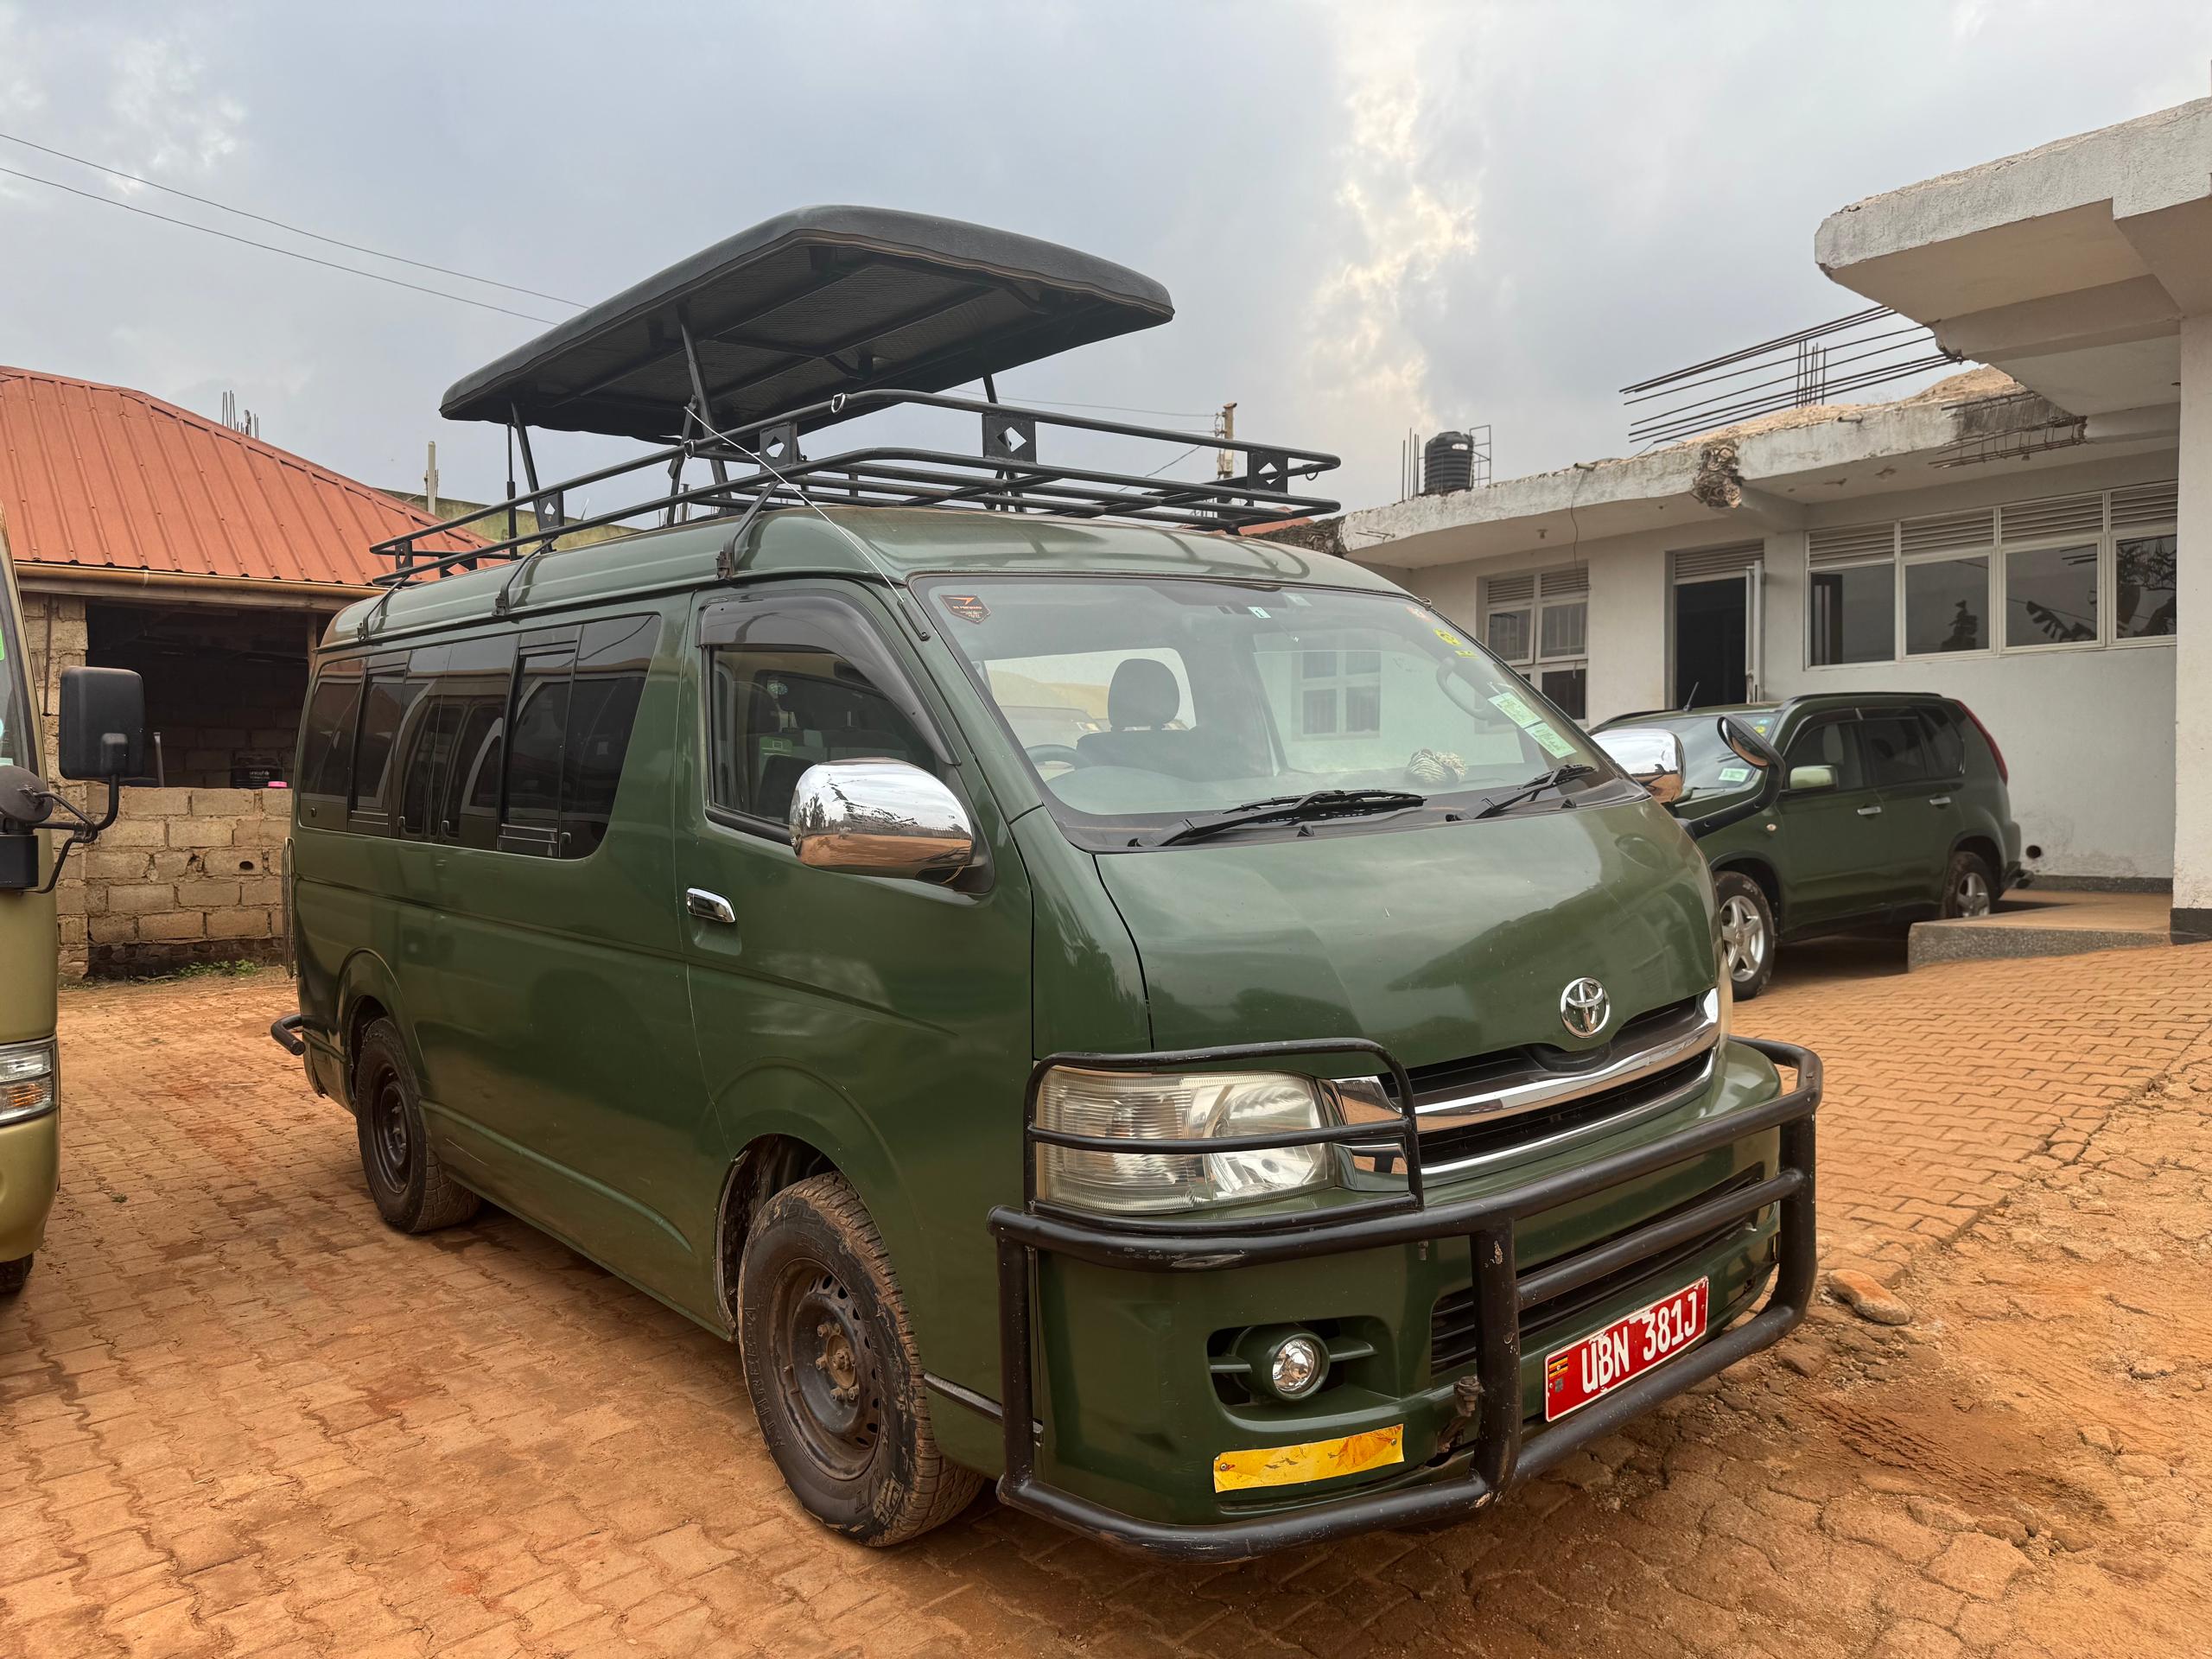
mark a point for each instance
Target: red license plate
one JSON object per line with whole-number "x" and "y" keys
{"x": 1577, "y": 1374}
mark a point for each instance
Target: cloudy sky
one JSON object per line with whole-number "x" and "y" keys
{"x": 1372, "y": 217}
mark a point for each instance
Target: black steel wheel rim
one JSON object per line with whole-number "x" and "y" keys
{"x": 391, "y": 1146}
{"x": 826, "y": 1369}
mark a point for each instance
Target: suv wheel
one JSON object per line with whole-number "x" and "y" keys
{"x": 836, "y": 1380}
{"x": 1747, "y": 933}
{"x": 1969, "y": 889}
{"x": 410, "y": 1186}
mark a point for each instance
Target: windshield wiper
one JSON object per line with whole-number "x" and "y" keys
{"x": 1532, "y": 788}
{"x": 1296, "y": 809}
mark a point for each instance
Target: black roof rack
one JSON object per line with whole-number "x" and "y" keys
{"x": 731, "y": 358}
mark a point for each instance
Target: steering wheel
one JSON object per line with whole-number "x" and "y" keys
{"x": 1048, "y": 754}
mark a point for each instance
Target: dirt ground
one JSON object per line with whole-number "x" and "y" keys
{"x": 237, "y": 1416}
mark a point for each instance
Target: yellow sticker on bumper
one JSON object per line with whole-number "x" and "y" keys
{"x": 1286, "y": 1465}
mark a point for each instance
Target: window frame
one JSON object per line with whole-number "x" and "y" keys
{"x": 1532, "y": 666}
{"x": 2106, "y": 539}
{"x": 714, "y": 625}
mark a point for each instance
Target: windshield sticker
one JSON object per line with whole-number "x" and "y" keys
{"x": 1465, "y": 652}
{"x": 1448, "y": 637}
{"x": 1734, "y": 774}
{"x": 1535, "y": 724}
{"x": 1257, "y": 611}
{"x": 969, "y": 607}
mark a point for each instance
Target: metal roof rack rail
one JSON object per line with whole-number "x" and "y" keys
{"x": 732, "y": 357}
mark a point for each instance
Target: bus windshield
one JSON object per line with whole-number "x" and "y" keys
{"x": 16, "y": 745}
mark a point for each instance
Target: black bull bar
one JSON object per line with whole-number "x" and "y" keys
{"x": 1497, "y": 1459}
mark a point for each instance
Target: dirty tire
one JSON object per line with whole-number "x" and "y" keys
{"x": 830, "y": 1364}
{"x": 1969, "y": 885}
{"x": 1747, "y": 933}
{"x": 12, "y": 1274}
{"x": 411, "y": 1189}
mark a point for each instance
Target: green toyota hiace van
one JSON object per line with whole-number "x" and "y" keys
{"x": 1155, "y": 1017}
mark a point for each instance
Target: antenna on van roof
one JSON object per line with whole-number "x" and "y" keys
{"x": 817, "y": 318}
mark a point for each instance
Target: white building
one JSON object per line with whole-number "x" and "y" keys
{"x": 1873, "y": 546}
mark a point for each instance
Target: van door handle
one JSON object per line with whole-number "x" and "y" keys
{"x": 1869, "y": 811}
{"x": 709, "y": 907}
{"x": 1939, "y": 800}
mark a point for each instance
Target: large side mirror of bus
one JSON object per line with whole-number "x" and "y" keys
{"x": 879, "y": 817}
{"x": 102, "y": 724}
{"x": 1650, "y": 756}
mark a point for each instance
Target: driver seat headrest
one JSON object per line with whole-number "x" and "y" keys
{"x": 1143, "y": 693}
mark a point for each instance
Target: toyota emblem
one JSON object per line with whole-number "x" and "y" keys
{"x": 1584, "y": 1007}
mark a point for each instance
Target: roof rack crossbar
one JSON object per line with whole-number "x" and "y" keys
{"x": 996, "y": 476}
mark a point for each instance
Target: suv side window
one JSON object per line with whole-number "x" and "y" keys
{"x": 793, "y": 681}
{"x": 1827, "y": 742}
{"x": 1946, "y": 748}
{"x": 1896, "y": 746}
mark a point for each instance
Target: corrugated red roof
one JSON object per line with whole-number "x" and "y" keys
{"x": 94, "y": 475}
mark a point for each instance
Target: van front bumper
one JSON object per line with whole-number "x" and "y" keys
{"x": 30, "y": 1168}
{"x": 1487, "y": 1457}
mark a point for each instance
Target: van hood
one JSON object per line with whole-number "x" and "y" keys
{"x": 1440, "y": 942}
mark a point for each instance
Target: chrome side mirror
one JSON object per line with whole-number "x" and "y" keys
{"x": 1650, "y": 756}
{"x": 1812, "y": 777}
{"x": 879, "y": 817}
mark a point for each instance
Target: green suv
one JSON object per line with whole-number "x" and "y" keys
{"x": 1887, "y": 809}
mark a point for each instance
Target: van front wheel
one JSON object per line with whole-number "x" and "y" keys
{"x": 410, "y": 1186}
{"x": 831, "y": 1362}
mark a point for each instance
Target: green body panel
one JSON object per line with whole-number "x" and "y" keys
{"x": 1832, "y": 863}
{"x": 30, "y": 1167}
{"x": 599, "y": 1060}
{"x": 1439, "y": 942}
{"x": 29, "y": 972}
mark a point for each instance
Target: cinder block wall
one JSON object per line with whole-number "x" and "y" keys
{"x": 187, "y": 875}
{"x": 183, "y": 875}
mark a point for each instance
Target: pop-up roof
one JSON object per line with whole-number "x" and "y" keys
{"x": 812, "y": 303}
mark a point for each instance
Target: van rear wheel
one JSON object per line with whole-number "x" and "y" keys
{"x": 410, "y": 1186}
{"x": 836, "y": 1380}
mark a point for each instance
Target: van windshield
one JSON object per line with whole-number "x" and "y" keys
{"x": 1140, "y": 701}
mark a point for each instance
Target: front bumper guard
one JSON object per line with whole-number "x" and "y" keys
{"x": 1498, "y": 1460}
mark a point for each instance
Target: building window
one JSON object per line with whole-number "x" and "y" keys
{"x": 1855, "y": 614}
{"x": 1341, "y": 693}
{"x": 2143, "y": 588}
{"x": 2029, "y": 575}
{"x": 1946, "y": 606}
{"x": 2050, "y": 596}
{"x": 1539, "y": 625}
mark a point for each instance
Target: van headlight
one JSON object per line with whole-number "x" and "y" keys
{"x": 27, "y": 1081}
{"x": 1141, "y": 1106}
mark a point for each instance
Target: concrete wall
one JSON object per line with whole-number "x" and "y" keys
{"x": 2089, "y": 733}
{"x": 2192, "y": 803}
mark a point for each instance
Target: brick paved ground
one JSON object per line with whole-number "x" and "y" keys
{"x": 238, "y": 1416}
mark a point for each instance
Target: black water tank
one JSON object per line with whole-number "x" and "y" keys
{"x": 1448, "y": 463}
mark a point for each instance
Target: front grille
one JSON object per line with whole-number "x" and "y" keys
{"x": 1453, "y": 1337}
{"x": 1446, "y": 1147}
{"x": 1450, "y": 1080}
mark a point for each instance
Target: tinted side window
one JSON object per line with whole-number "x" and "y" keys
{"x": 535, "y": 751}
{"x": 1895, "y": 747}
{"x": 478, "y": 677}
{"x": 327, "y": 732}
{"x": 428, "y": 757}
{"x": 385, "y": 699}
{"x": 792, "y": 685}
{"x": 1826, "y": 743}
{"x": 612, "y": 657}
{"x": 1946, "y": 748}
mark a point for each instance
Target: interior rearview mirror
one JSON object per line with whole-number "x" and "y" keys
{"x": 103, "y": 723}
{"x": 1812, "y": 777}
{"x": 1650, "y": 756}
{"x": 879, "y": 817}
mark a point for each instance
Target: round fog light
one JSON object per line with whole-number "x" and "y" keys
{"x": 1297, "y": 1366}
